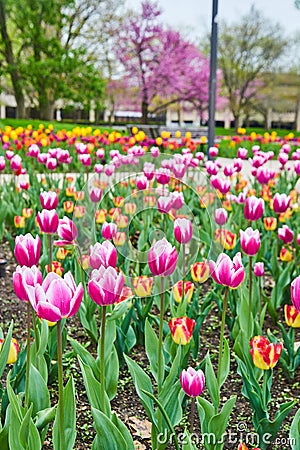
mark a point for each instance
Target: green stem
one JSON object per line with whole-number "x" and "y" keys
{"x": 36, "y": 330}
{"x": 102, "y": 358}
{"x": 192, "y": 416}
{"x": 50, "y": 251}
{"x": 60, "y": 387}
{"x": 183, "y": 270}
{"x": 250, "y": 296}
{"x": 27, "y": 356}
{"x": 222, "y": 333}
{"x": 160, "y": 369}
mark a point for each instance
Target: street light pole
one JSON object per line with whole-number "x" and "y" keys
{"x": 213, "y": 74}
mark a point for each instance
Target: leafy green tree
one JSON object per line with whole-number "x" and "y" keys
{"x": 44, "y": 51}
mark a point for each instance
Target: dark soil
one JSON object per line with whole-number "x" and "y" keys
{"x": 127, "y": 404}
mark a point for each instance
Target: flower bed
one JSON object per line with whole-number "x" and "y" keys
{"x": 154, "y": 268}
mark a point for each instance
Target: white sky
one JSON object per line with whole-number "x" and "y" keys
{"x": 194, "y": 16}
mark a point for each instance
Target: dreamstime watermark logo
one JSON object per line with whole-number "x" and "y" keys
{"x": 241, "y": 434}
{"x": 140, "y": 223}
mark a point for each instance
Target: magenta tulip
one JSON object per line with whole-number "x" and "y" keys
{"x": 183, "y": 230}
{"x": 27, "y": 250}
{"x": 104, "y": 254}
{"x": 177, "y": 200}
{"x": 228, "y": 272}
{"x": 67, "y": 231}
{"x": 192, "y": 381}
{"x": 164, "y": 204}
{"x": 95, "y": 194}
{"x": 254, "y": 208}
{"x": 2, "y": 163}
{"x": 57, "y": 298}
{"x": 48, "y": 221}
{"x": 141, "y": 182}
{"x": 295, "y": 293}
{"x": 259, "y": 269}
{"x": 242, "y": 153}
{"x": 23, "y": 277}
{"x": 281, "y": 202}
{"x": 179, "y": 170}
{"x": 163, "y": 176}
{"x": 221, "y": 216}
{"x": 105, "y": 286}
{"x": 149, "y": 170}
{"x": 250, "y": 241}
{"x": 109, "y": 230}
{"x": 285, "y": 234}
{"x": 162, "y": 258}
{"x": 213, "y": 151}
{"x": 49, "y": 200}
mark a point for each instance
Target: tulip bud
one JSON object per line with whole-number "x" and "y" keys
{"x": 183, "y": 230}
{"x": 292, "y": 316}
{"x": 49, "y": 200}
{"x": 109, "y": 230}
{"x": 259, "y": 269}
{"x": 295, "y": 293}
{"x": 105, "y": 286}
{"x": 200, "y": 272}
{"x": 221, "y": 216}
{"x": 48, "y": 221}
{"x": 27, "y": 250}
{"x": 188, "y": 290}
{"x": 142, "y": 286}
{"x": 182, "y": 329}
{"x": 254, "y": 208}
{"x": 192, "y": 381}
{"x": 265, "y": 354}
{"x": 250, "y": 241}
{"x": 162, "y": 258}
{"x": 95, "y": 195}
{"x": 13, "y": 351}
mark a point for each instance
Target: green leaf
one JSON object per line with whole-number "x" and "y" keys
{"x": 151, "y": 346}
{"x": 5, "y": 349}
{"x": 29, "y": 436}
{"x": 295, "y": 432}
{"x": 85, "y": 356}
{"x": 69, "y": 419}
{"x": 4, "y": 431}
{"x": 211, "y": 382}
{"x": 44, "y": 417}
{"x": 218, "y": 423}
{"x": 118, "y": 311}
{"x": 142, "y": 383}
{"x": 112, "y": 374}
{"x": 206, "y": 411}
{"x": 93, "y": 388}
{"x": 123, "y": 430}
{"x": 108, "y": 435}
{"x": 38, "y": 391}
{"x": 225, "y": 364}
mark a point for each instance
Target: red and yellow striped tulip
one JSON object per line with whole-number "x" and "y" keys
{"x": 182, "y": 329}
{"x": 265, "y": 354}
{"x": 292, "y": 316}
{"x": 13, "y": 351}
{"x": 188, "y": 290}
{"x": 142, "y": 285}
{"x": 200, "y": 272}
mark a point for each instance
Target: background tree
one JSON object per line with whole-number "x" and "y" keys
{"x": 159, "y": 61}
{"x": 44, "y": 52}
{"x": 247, "y": 50}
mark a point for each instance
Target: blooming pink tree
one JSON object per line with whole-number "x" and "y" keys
{"x": 165, "y": 67}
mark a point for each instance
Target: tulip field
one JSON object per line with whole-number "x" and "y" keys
{"x": 150, "y": 291}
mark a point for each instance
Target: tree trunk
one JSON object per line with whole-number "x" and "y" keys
{"x": 297, "y": 116}
{"x": 144, "y": 112}
{"x": 46, "y": 110}
{"x": 14, "y": 73}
